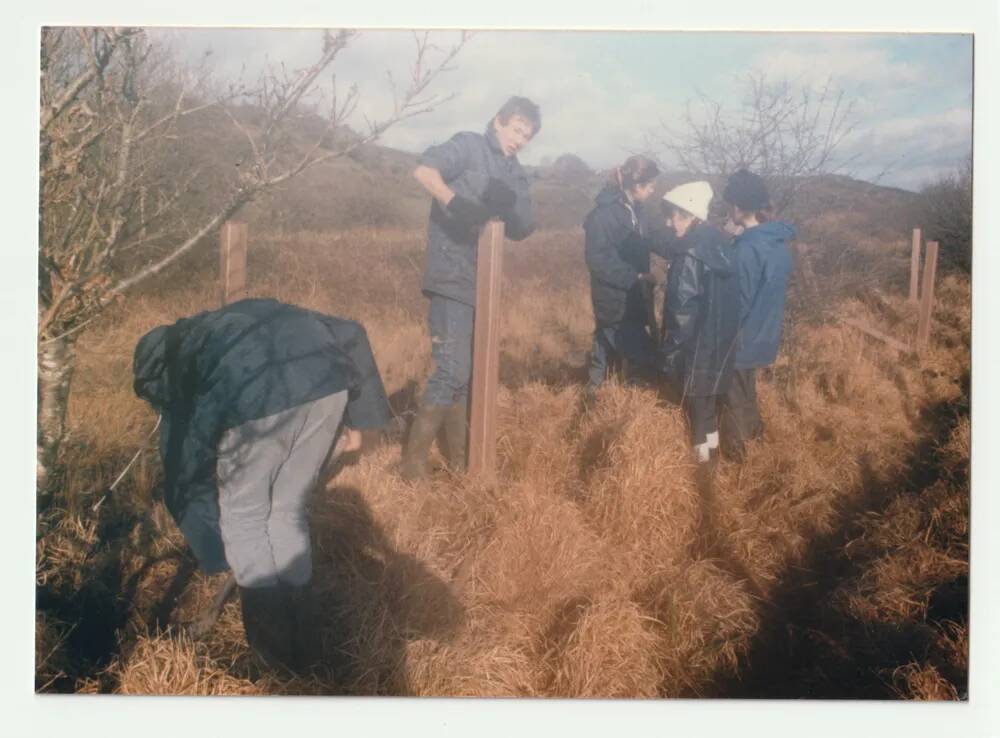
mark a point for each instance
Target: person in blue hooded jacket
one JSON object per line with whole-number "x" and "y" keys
{"x": 617, "y": 246}
{"x": 764, "y": 263}
{"x": 701, "y": 314}
{"x": 471, "y": 177}
{"x": 253, "y": 398}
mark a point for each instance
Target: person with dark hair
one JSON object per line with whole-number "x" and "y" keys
{"x": 701, "y": 314}
{"x": 472, "y": 177}
{"x": 617, "y": 247}
{"x": 253, "y": 399}
{"x": 764, "y": 263}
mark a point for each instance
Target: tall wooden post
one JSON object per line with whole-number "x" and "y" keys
{"x": 486, "y": 353}
{"x": 927, "y": 297}
{"x": 233, "y": 261}
{"x": 915, "y": 265}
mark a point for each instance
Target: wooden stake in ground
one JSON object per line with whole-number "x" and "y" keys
{"x": 233, "y": 261}
{"x": 927, "y": 296}
{"x": 486, "y": 353}
{"x": 876, "y": 334}
{"x": 915, "y": 265}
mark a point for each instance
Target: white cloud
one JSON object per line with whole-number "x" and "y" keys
{"x": 598, "y": 121}
{"x": 955, "y": 123}
{"x": 845, "y": 62}
{"x": 913, "y": 149}
{"x": 581, "y": 114}
{"x": 591, "y": 105}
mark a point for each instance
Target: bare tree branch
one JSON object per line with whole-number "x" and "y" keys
{"x": 54, "y": 108}
{"x": 782, "y": 134}
{"x": 113, "y": 137}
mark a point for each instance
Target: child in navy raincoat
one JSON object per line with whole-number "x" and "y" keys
{"x": 617, "y": 248}
{"x": 701, "y": 314}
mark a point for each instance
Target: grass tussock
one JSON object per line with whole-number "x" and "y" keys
{"x": 598, "y": 566}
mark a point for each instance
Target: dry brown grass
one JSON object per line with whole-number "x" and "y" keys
{"x": 596, "y": 567}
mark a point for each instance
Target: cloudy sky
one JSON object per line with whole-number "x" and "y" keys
{"x": 602, "y": 93}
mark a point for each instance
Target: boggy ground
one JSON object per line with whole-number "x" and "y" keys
{"x": 833, "y": 562}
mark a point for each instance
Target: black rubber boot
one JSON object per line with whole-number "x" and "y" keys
{"x": 418, "y": 446}
{"x": 307, "y": 641}
{"x": 269, "y": 625}
{"x": 456, "y": 429}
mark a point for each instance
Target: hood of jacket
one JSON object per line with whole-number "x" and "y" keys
{"x": 710, "y": 246}
{"x": 150, "y": 368}
{"x": 491, "y": 137}
{"x": 773, "y": 231}
{"x": 610, "y": 194}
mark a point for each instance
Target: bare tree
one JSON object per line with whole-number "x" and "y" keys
{"x": 110, "y": 218}
{"x": 782, "y": 132}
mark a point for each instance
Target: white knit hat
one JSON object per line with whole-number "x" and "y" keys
{"x": 693, "y": 197}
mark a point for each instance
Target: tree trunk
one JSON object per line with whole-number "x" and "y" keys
{"x": 56, "y": 360}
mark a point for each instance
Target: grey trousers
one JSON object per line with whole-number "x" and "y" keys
{"x": 266, "y": 471}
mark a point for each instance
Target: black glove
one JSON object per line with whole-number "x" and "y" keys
{"x": 671, "y": 362}
{"x": 498, "y": 197}
{"x": 468, "y": 212}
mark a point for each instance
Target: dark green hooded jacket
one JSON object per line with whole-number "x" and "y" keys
{"x": 248, "y": 360}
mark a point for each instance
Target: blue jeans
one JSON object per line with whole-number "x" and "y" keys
{"x": 626, "y": 340}
{"x": 451, "y": 324}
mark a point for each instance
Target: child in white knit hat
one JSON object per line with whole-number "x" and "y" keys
{"x": 701, "y": 313}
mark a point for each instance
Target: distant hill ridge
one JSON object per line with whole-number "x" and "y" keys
{"x": 373, "y": 186}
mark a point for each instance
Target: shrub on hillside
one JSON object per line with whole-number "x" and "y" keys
{"x": 947, "y": 208}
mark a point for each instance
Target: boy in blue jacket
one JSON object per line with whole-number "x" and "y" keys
{"x": 764, "y": 263}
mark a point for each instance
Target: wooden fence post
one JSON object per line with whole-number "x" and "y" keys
{"x": 233, "y": 261}
{"x": 927, "y": 297}
{"x": 915, "y": 266}
{"x": 486, "y": 353}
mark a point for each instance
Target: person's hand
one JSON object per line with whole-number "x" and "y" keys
{"x": 647, "y": 277}
{"x": 498, "y": 197}
{"x": 350, "y": 441}
{"x": 468, "y": 212}
{"x": 732, "y": 227}
{"x": 671, "y": 362}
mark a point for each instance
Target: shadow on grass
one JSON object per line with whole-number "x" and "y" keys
{"x": 807, "y": 647}
{"x": 376, "y": 599}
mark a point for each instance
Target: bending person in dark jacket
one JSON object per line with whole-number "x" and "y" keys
{"x": 253, "y": 397}
{"x": 617, "y": 249}
{"x": 472, "y": 177}
{"x": 764, "y": 263}
{"x": 701, "y": 314}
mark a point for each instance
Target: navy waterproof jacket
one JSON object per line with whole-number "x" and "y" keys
{"x": 248, "y": 360}
{"x": 467, "y": 162}
{"x": 701, "y": 312}
{"x": 617, "y": 247}
{"x": 765, "y": 262}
